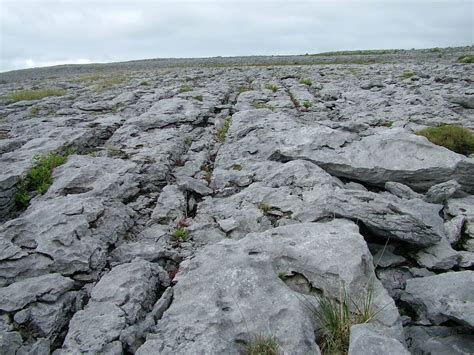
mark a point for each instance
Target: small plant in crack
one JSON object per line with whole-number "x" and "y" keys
{"x": 264, "y": 207}
{"x": 260, "y": 105}
{"x": 39, "y": 178}
{"x": 295, "y": 101}
{"x": 34, "y": 111}
{"x": 406, "y": 75}
{"x": 222, "y": 133}
{"x": 185, "y": 88}
{"x": 262, "y": 345}
{"x": 198, "y": 98}
{"x": 388, "y": 123}
{"x": 271, "y": 87}
{"x": 237, "y": 167}
{"x": 306, "y": 82}
{"x": 180, "y": 235}
{"x": 207, "y": 169}
{"x": 188, "y": 141}
{"x": 337, "y": 316}
{"x": 113, "y": 151}
{"x": 283, "y": 275}
{"x": 307, "y": 104}
{"x": 242, "y": 89}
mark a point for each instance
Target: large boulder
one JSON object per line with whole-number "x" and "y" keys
{"x": 231, "y": 291}
{"x": 443, "y": 297}
{"x": 392, "y": 155}
{"x": 412, "y": 221}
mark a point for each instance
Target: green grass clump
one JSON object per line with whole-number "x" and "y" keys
{"x": 245, "y": 88}
{"x": 264, "y": 207}
{"x": 271, "y": 87}
{"x": 222, "y": 133}
{"x": 180, "y": 235}
{"x": 109, "y": 83}
{"x": 466, "y": 59}
{"x": 185, "y": 88}
{"x": 406, "y": 75}
{"x": 307, "y": 104}
{"x": 188, "y": 140}
{"x": 39, "y": 178}
{"x": 336, "y": 319}
{"x": 455, "y": 138}
{"x": 261, "y": 345}
{"x": 198, "y": 98}
{"x": 306, "y": 82}
{"x": 34, "y": 111}
{"x": 35, "y": 94}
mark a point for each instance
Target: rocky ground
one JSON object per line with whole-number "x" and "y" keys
{"x": 202, "y": 206}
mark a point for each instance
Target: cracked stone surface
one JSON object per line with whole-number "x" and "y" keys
{"x": 206, "y": 202}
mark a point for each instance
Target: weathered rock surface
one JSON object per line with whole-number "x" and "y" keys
{"x": 220, "y": 291}
{"x": 443, "y": 297}
{"x": 201, "y": 206}
{"x": 439, "y": 340}
{"x": 46, "y": 288}
{"x": 365, "y": 340}
{"x": 119, "y": 299}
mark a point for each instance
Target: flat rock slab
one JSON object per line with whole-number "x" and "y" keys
{"x": 46, "y": 288}
{"x": 392, "y": 155}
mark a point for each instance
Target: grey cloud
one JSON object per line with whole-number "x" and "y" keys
{"x": 35, "y": 33}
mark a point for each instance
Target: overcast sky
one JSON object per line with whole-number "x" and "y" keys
{"x": 49, "y": 32}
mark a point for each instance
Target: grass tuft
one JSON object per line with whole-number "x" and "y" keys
{"x": 188, "y": 141}
{"x": 466, "y": 59}
{"x": 180, "y": 235}
{"x": 185, "y": 88}
{"x": 260, "y": 105}
{"x": 336, "y": 319}
{"x": 34, "y": 111}
{"x": 306, "y": 82}
{"x": 198, "y": 98}
{"x": 264, "y": 207}
{"x": 39, "y": 179}
{"x": 455, "y": 138}
{"x": 261, "y": 345}
{"x": 271, "y": 87}
{"x": 222, "y": 133}
{"x": 307, "y": 104}
{"x": 406, "y": 75}
{"x": 35, "y": 94}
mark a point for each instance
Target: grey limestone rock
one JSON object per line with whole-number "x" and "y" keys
{"x": 216, "y": 301}
{"x": 171, "y": 205}
{"x": 366, "y": 341}
{"x": 443, "y": 297}
{"x": 46, "y": 288}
